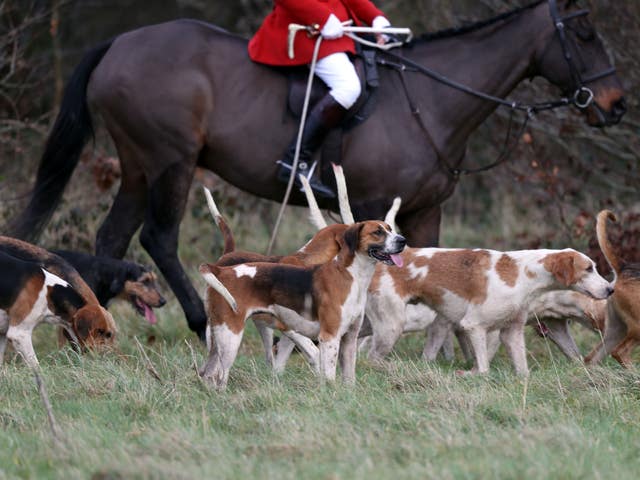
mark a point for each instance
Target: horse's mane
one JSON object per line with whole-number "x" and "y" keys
{"x": 452, "y": 32}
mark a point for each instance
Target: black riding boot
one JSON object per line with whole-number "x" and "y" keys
{"x": 325, "y": 115}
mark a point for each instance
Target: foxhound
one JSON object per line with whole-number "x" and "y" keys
{"x": 110, "y": 278}
{"x": 478, "y": 291}
{"x": 322, "y": 248}
{"x": 30, "y": 295}
{"x": 549, "y": 314}
{"x": 97, "y": 327}
{"x": 325, "y": 301}
{"x": 622, "y": 322}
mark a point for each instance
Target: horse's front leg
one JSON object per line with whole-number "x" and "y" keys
{"x": 167, "y": 200}
{"x": 422, "y": 227}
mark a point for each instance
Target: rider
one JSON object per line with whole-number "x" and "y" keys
{"x": 269, "y": 46}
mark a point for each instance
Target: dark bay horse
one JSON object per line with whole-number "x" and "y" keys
{"x": 184, "y": 93}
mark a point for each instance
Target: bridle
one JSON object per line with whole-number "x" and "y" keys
{"x": 579, "y": 82}
{"x": 581, "y": 98}
{"x": 583, "y": 95}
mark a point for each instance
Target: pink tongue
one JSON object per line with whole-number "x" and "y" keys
{"x": 396, "y": 259}
{"x": 149, "y": 315}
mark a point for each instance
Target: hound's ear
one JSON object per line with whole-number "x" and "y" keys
{"x": 116, "y": 286}
{"x": 65, "y": 299}
{"x": 81, "y": 325}
{"x": 351, "y": 237}
{"x": 563, "y": 268}
{"x": 134, "y": 271}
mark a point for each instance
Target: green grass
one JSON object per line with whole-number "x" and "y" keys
{"x": 404, "y": 419}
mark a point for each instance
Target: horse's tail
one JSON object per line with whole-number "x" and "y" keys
{"x": 229, "y": 242}
{"x": 603, "y": 240}
{"x": 70, "y": 132}
{"x": 207, "y": 272}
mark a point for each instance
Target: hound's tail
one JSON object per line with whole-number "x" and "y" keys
{"x": 343, "y": 196}
{"x": 343, "y": 199}
{"x": 390, "y": 218}
{"x": 206, "y": 271}
{"x": 603, "y": 240}
{"x": 229, "y": 242}
{"x": 315, "y": 215}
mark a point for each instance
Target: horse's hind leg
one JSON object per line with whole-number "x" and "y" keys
{"x": 127, "y": 212}
{"x": 167, "y": 199}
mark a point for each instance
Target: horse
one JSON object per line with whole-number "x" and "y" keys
{"x": 182, "y": 94}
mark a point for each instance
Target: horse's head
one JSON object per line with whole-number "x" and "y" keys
{"x": 573, "y": 58}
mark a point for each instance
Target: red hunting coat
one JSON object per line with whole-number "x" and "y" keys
{"x": 269, "y": 44}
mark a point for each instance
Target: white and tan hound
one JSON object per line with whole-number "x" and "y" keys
{"x": 325, "y": 301}
{"x": 30, "y": 295}
{"x": 322, "y": 248}
{"x": 478, "y": 291}
{"x": 549, "y": 315}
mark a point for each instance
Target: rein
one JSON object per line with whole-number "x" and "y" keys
{"x": 456, "y": 172}
{"x": 582, "y": 96}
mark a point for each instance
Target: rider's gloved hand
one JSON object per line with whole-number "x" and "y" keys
{"x": 332, "y": 28}
{"x": 381, "y": 22}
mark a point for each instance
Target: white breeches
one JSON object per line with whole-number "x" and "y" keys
{"x": 337, "y": 71}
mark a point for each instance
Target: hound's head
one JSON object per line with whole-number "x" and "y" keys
{"x": 94, "y": 326}
{"x": 141, "y": 289}
{"x": 377, "y": 240}
{"x": 573, "y": 270}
